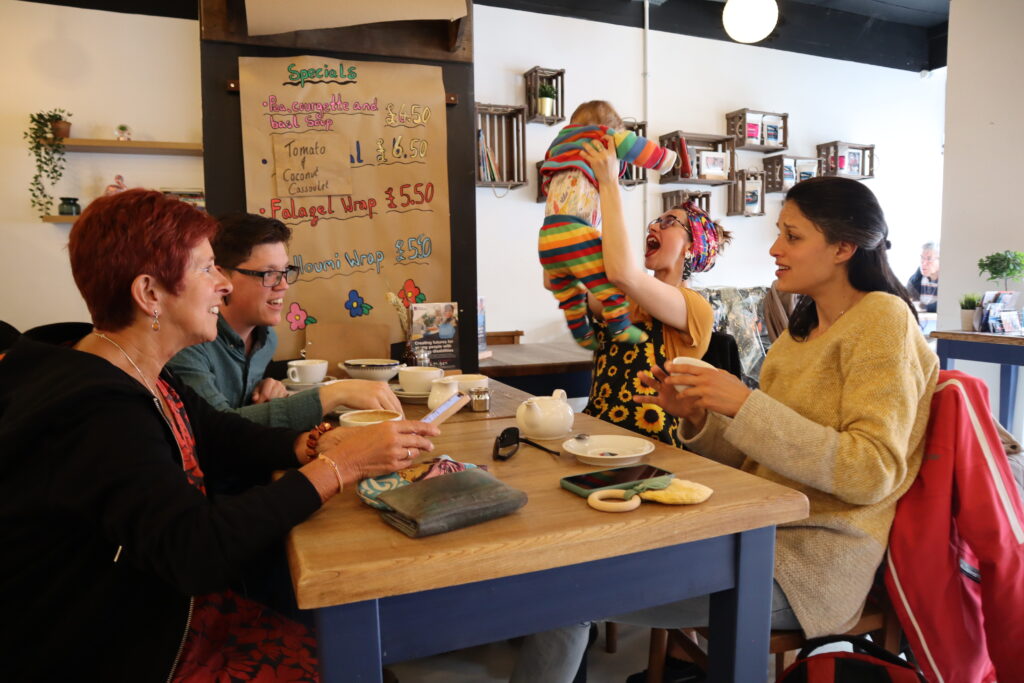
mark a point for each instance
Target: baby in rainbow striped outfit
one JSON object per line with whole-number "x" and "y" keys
{"x": 569, "y": 242}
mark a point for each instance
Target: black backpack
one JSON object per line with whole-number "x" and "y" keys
{"x": 868, "y": 663}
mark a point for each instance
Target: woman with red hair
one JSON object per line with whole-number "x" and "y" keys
{"x": 118, "y": 564}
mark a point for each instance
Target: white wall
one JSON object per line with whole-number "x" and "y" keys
{"x": 105, "y": 68}
{"x": 984, "y": 116}
{"x": 693, "y": 83}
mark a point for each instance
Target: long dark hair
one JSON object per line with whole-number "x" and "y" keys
{"x": 846, "y": 211}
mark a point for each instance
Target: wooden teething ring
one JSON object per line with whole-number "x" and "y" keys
{"x": 599, "y": 500}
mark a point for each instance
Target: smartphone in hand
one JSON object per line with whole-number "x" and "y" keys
{"x": 446, "y": 409}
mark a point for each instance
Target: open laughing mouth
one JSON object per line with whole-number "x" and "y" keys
{"x": 653, "y": 244}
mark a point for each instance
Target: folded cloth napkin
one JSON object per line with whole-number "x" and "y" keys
{"x": 456, "y": 500}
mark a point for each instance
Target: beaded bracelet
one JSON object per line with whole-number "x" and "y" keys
{"x": 314, "y": 437}
{"x": 337, "y": 472}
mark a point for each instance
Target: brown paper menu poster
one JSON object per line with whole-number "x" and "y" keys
{"x": 352, "y": 157}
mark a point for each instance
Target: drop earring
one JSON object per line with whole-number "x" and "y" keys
{"x": 156, "y": 321}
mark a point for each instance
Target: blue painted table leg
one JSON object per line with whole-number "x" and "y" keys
{"x": 741, "y": 617}
{"x": 1007, "y": 394}
{"x": 348, "y": 638}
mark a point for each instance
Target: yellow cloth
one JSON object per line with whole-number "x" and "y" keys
{"x": 841, "y": 418}
{"x": 700, "y": 319}
{"x": 679, "y": 492}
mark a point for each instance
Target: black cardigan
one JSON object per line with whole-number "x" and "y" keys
{"x": 88, "y": 464}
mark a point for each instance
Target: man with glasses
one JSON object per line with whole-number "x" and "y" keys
{"x": 229, "y": 372}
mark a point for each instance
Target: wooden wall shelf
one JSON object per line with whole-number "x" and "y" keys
{"x": 501, "y": 136}
{"x": 60, "y": 219}
{"x": 736, "y": 125}
{"x": 836, "y": 160}
{"x": 670, "y": 200}
{"x": 746, "y": 197}
{"x": 534, "y": 77}
{"x": 99, "y": 146}
{"x": 635, "y": 175}
{"x": 695, "y": 144}
{"x": 780, "y": 171}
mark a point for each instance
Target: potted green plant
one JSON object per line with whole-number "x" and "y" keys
{"x": 969, "y": 304}
{"x": 45, "y": 137}
{"x": 546, "y": 94}
{"x": 1002, "y": 265}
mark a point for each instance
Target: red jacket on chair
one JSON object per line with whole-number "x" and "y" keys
{"x": 963, "y": 505}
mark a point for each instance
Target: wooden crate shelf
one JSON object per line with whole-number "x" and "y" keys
{"x": 746, "y": 197}
{"x": 670, "y": 200}
{"x": 635, "y": 175}
{"x": 736, "y": 125}
{"x": 836, "y": 160}
{"x": 775, "y": 176}
{"x": 534, "y": 78}
{"x": 501, "y": 135}
{"x": 695, "y": 144}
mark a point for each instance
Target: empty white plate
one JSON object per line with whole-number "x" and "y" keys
{"x": 627, "y": 449}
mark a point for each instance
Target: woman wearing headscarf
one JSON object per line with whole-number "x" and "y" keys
{"x": 678, "y": 321}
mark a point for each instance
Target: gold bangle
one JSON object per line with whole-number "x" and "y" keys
{"x": 598, "y": 501}
{"x": 334, "y": 466}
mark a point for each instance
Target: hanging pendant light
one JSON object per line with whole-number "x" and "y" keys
{"x": 748, "y": 21}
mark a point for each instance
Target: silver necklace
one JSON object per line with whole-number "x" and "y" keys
{"x": 125, "y": 354}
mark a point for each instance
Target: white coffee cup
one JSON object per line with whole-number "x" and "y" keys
{"x": 307, "y": 371}
{"x": 683, "y": 360}
{"x": 417, "y": 379}
{"x": 471, "y": 381}
{"x": 365, "y": 418}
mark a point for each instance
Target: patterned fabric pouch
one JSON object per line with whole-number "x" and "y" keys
{"x": 369, "y": 489}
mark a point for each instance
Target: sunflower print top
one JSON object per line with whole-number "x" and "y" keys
{"x": 617, "y": 367}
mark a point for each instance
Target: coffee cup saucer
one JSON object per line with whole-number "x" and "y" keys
{"x": 409, "y": 396}
{"x": 303, "y": 386}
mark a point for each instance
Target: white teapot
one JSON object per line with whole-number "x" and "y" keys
{"x": 545, "y": 417}
{"x": 441, "y": 390}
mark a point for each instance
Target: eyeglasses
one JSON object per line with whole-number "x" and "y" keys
{"x": 271, "y": 278}
{"x": 507, "y": 443}
{"x": 667, "y": 221}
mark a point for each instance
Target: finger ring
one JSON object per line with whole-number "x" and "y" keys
{"x": 408, "y": 453}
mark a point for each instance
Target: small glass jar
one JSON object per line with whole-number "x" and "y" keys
{"x": 69, "y": 206}
{"x": 480, "y": 399}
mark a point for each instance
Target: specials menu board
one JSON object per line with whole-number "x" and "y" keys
{"x": 352, "y": 157}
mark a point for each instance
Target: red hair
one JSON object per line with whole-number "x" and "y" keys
{"x": 119, "y": 237}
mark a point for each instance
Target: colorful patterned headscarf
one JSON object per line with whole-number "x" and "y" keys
{"x": 703, "y": 241}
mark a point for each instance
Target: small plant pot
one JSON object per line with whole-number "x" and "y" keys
{"x": 967, "y": 319}
{"x": 546, "y": 106}
{"x": 61, "y": 129}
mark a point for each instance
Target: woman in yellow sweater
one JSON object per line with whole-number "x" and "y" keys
{"x": 840, "y": 415}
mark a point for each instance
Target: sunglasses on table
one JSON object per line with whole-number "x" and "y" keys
{"x": 271, "y": 278}
{"x": 507, "y": 443}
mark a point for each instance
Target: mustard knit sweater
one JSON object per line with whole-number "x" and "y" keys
{"x": 842, "y": 419}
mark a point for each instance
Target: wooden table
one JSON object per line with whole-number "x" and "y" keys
{"x": 513, "y": 360}
{"x": 541, "y": 368}
{"x": 381, "y": 597}
{"x": 1007, "y": 350}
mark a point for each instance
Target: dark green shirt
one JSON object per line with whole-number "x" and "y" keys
{"x": 222, "y": 373}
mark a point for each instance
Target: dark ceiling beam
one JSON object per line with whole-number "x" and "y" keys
{"x": 805, "y": 29}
